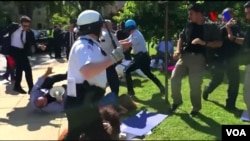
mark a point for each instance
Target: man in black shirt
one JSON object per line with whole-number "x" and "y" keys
{"x": 245, "y": 42}
{"x": 195, "y": 43}
{"x": 226, "y": 62}
{"x": 121, "y": 35}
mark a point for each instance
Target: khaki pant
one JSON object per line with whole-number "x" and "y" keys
{"x": 192, "y": 65}
{"x": 246, "y": 89}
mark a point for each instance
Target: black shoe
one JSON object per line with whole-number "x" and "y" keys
{"x": 20, "y": 90}
{"x": 4, "y": 77}
{"x": 205, "y": 93}
{"x": 175, "y": 106}
{"x": 194, "y": 113}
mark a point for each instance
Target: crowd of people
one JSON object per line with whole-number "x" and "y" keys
{"x": 94, "y": 51}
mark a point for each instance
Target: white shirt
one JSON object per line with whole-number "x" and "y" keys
{"x": 16, "y": 38}
{"x": 138, "y": 42}
{"x": 83, "y": 53}
{"x": 106, "y": 42}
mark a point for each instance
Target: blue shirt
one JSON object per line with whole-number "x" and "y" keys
{"x": 161, "y": 47}
{"x": 53, "y": 107}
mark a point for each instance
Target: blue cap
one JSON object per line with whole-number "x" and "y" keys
{"x": 130, "y": 24}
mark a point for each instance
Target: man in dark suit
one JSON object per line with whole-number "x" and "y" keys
{"x": 70, "y": 38}
{"x": 20, "y": 39}
{"x": 57, "y": 39}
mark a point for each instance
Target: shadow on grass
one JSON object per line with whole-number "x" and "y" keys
{"x": 213, "y": 127}
{"x": 136, "y": 82}
{"x": 207, "y": 75}
{"x": 156, "y": 102}
{"x": 34, "y": 121}
{"x": 237, "y": 112}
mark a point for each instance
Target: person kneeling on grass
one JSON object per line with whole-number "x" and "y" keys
{"x": 122, "y": 104}
{"x": 40, "y": 98}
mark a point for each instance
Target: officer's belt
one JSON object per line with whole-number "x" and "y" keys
{"x": 86, "y": 88}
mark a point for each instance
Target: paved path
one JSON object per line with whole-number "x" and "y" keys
{"x": 17, "y": 123}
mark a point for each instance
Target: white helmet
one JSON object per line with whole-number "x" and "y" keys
{"x": 90, "y": 22}
{"x": 88, "y": 17}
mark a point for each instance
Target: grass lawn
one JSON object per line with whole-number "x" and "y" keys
{"x": 180, "y": 126}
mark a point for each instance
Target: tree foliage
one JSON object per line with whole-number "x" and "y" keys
{"x": 150, "y": 15}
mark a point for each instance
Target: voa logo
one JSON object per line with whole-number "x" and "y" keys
{"x": 236, "y": 132}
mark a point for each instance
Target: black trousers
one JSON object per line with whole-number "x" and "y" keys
{"x": 141, "y": 61}
{"x": 22, "y": 64}
{"x": 83, "y": 114}
{"x": 50, "y": 80}
{"x": 58, "y": 50}
{"x": 50, "y": 46}
{"x": 231, "y": 69}
{"x": 113, "y": 79}
{"x": 67, "y": 52}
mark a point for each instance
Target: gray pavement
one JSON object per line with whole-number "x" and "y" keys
{"x": 16, "y": 121}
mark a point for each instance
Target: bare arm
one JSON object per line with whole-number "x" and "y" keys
{"x": 92, "y": 69}
{"x": 179, "y": 45}
{"x": 125, "y": 40}
{"x": 126, "y": 45}
{"x": 214, "y": 44}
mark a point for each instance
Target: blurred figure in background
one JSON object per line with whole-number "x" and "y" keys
{"x": 69, "y": 39}
{"x": 57, "y": 41}
{"x": 161, "y": 52}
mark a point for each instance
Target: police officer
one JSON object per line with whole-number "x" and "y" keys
{"x": 107, "y": 45}
{"x": 141, "y": 59}
{"x": 226, "y": 62}
{"x": 86, "y": 80}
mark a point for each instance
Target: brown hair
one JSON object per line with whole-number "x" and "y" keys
{"x": 110, "y": 116}
{"x": 127, "y": 102}
{"x": 25, "y": 19}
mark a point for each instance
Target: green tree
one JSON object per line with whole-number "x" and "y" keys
{"x": 150, "y": 16}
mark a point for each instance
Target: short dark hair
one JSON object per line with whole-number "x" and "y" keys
{"x": 196, "y": 8}
{"x": 25, "y": 19}
{"x": 247, "y": 5}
